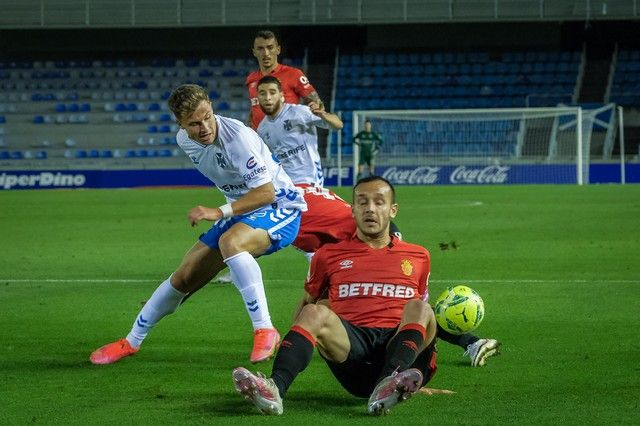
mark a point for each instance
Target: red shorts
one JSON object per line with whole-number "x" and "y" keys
{"x": 327, "y": 219}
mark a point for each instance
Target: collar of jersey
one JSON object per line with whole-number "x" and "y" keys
{"x": 391, "y": 245}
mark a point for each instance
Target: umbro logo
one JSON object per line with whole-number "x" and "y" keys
{"x": 346, "y": 264}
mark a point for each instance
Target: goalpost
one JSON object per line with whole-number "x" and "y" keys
{"x": 511, "y": 145}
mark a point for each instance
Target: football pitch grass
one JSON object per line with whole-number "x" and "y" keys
{"x": 557, "y": 267}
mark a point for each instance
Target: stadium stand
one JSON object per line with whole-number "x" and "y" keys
{"x": 106, "y": 109}
{"x": 115, "y": 108}
{"x": 625, "y": 90}
{"x": 445, "y": 80}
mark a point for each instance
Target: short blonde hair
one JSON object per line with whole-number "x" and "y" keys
{"x": 184, "y": 100}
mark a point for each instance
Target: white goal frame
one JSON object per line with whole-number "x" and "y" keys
{"x": 582, "y": 132}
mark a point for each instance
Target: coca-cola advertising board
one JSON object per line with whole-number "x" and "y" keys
{"x": 479, "y": 175}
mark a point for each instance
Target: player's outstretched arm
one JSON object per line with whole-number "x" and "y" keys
{"x": 255, "y": 198}
{"x": 331, "y": 119}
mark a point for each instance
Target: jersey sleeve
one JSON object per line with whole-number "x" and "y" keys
{"x": 317, "y": 281}
{"x": 245, "y": 154}
{"x": 300, "y": 82}
{"x": 379, "y": 138}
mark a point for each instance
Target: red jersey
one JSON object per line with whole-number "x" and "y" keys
{"x": 369, "y": 287}
{"x": 328, "y": 219}
{"x": 295, "y": 85}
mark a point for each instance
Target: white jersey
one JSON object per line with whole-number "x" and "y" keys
{"x": 238, "y": 161}
{"x": 293, "y": 138}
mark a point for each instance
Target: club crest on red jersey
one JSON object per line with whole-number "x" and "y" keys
{"x": 407, "y": 267}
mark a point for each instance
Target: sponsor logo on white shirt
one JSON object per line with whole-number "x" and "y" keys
{"x": 251, "y": 163}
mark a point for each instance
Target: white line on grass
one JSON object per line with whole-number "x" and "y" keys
{"x": 460, "y": 281}
{"x": 427, "y": 206}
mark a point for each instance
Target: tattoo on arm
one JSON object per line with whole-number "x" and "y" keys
{"x": 312, "y": 97}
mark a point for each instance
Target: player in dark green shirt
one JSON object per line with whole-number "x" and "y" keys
{"x": 369, "y": 143}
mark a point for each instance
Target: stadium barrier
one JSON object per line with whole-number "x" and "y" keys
{"x": 462, "y": 174}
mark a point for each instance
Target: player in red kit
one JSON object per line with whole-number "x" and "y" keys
{"x": 377, "y": 333}
{"x": 295, "y": 85}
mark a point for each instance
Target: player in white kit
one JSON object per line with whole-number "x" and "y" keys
{"x": 290, "y": 130}
{"x": 261, "y": 216}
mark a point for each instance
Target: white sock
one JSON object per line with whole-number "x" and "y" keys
{"x": 164, "y": 301}
{"x": 247, "y": 278}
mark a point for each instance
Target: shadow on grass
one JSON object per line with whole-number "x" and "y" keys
{"x": 224, "y": 404}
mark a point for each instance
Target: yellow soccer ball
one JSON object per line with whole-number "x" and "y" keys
{"x": 459, "y": 309}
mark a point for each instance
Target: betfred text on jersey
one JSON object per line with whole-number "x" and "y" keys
{"x": 375, "y": 289}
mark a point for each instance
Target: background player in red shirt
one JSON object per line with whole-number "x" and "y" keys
{"x": 377, "y": 336}
{"x": 295, "y": 85}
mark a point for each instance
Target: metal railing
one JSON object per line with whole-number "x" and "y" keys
{"x": 217, "y": 13}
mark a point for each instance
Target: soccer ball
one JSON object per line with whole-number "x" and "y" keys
{"x": 459, "y": 309}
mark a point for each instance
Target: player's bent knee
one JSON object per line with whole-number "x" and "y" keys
{"x": 313, "y": 317}
{"x": 180, "y": 281}
{"x": 418, "y": 311}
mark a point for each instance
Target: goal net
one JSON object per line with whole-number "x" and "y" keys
{"x": 515, "y": 145}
